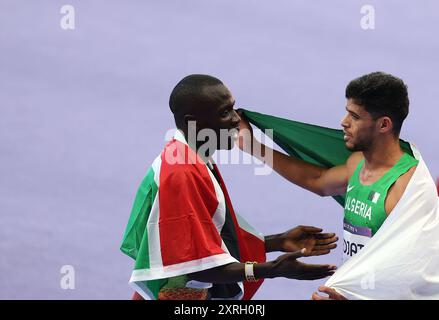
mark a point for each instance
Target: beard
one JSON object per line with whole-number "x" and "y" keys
{"x": 364, "y": 139}
{"x": 354, "y": 148}
{"x": 361, "y": 144}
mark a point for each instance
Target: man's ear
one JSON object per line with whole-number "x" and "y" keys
{"x": 187, "y": 118}
{"x": 386, "y": 124}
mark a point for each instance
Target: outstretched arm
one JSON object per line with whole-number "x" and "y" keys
{"x": 320, "y": 180}
{"x": 310, "y": 238}
{"x": 285, "y": 265}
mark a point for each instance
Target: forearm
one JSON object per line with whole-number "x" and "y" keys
{"x": 285, "y": 265}
{"x": 297, "y": 171}
{"x": 233, "y": 272}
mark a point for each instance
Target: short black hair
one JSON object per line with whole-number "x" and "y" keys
{"x": 189, "y": 92}
{"x": 381, "y": 94}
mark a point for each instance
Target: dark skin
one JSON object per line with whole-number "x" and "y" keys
{"x": 216, "y": 113}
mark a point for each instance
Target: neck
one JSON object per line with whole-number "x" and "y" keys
{"x": 199, "y": 146}
{"x": 384, "y": 153}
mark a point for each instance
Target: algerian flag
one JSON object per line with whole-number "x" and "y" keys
{"x": 182, "y": 222}
{"x": 314, "y": 144}
{"x": 374, "y": 196}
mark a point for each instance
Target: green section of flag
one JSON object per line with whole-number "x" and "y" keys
{"x": 135, "y": 241}
{"x": 137, "y": 230}
{"x": 314, "y": 144}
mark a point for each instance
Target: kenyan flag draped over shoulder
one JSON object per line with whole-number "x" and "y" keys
{"x": 314, "y": 144}
{"x": 176, "y": 225}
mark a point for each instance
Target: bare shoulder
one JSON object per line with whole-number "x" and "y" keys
{"x": 402, "y": 182}
{"x": 397, "y": 189}
{"x": 353, "y": 161}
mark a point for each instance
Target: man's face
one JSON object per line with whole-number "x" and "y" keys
{"x": 220, "y": 116}
{"x": 359, "y": 127}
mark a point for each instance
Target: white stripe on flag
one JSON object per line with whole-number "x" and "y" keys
{"x": 219, "y": 217}
{"x": 375, "y": 198}
{"x": 155, "y": 252}
{"x": 156, "y": 165}
{"x": 179, "y": 269}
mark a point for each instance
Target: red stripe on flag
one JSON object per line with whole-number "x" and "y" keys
{"x": 251, "y": 248}
{"x": 187, "y": 202}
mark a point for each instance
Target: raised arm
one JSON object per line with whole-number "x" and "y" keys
{"x": 320, "y": 180}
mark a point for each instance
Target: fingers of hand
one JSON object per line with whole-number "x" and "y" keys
{"x": 326, "y": 289}
{"x": 325, "y": 247}
{"x": 333, "y": 295}
{"x": 316, "y": 296}
{"x": 299, "y": 253}
{"x": 311, "y": 229}
{"x": 319, "y": 267}
{"x": 324, "y": 235}
{"x": 315, "y": 276}
{"x": 319, "y": 252}
{"x": 326, "y": 241}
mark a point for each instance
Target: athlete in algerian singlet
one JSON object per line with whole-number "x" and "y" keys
{"x": 365, "y": 207}
{"x": 374, "y": 176}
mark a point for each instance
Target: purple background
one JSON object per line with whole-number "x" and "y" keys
{"x": 83, "y": 113}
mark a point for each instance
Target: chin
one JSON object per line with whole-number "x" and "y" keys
{"x": 350, "y": 146}
{"x": 354, "y": 148}
{"x": 230, "y": 145}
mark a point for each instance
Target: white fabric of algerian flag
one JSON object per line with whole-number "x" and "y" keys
{"x": 401, "y": 261}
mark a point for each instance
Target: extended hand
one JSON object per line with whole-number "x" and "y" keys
{"x": 332, "y": 294}
{"x": 312, "y": 239}
{"x": 287, "y": 266}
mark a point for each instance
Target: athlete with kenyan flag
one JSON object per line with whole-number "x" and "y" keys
{"x": 183, "y": 233}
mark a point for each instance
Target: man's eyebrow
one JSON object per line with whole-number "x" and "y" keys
{"x": 352, "y": 112}
{"x": 228, "y": 105}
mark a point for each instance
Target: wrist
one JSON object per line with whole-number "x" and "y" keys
{"x": 265, "y": 270}
{"x": 273, "y": 242}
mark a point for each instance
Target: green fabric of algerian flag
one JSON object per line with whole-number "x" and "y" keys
{"x": 314, "y": 144}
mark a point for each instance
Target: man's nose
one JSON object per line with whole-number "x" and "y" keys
{"x": 344, "y": 122}
{"x": 236, "y": 118}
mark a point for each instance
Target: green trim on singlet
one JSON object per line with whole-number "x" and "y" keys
{"x": 365, "y": 204}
